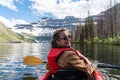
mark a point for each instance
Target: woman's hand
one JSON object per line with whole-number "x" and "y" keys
{"x": 47, "y": 66}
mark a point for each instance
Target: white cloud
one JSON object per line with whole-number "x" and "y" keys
{"x": 12, "y": 22}
{"x": 9, "y": 4}
{"x": 70, "y": 8}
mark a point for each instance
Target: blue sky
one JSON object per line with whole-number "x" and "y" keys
{"x": 25, "y": 11}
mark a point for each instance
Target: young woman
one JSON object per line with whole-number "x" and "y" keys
{"x": 72, "y": 62}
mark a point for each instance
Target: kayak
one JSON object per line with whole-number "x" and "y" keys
{"x": 70, "y": 74}
{"x": 32, "y": 60}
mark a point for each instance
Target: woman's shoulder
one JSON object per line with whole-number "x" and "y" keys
{"x": 68, "y": 53}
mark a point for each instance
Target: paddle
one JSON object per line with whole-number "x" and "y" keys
{"x": 108, "y": 66}
{"x": 32, "y": 60}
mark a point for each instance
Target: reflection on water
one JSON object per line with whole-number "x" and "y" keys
{"x": 104, "y": 53}
{"x": 12, "y": 54}
{"x": 108, "y": 54}
{"x": 11, "y": 60}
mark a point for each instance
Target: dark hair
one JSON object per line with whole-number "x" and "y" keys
{"x": 55, "y": 36}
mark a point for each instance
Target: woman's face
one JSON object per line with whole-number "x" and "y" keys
{"x": 64, "y": 39}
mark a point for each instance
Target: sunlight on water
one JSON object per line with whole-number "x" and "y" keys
{"x": 13, "y": 68}
{"x": 11, "y": 57}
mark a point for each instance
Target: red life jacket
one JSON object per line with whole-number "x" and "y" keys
{"x": 52, "y": 57}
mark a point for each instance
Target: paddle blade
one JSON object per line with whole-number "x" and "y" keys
{"x": 32, "y": 60}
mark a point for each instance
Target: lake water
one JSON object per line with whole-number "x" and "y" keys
{"x": 13, "y": 68}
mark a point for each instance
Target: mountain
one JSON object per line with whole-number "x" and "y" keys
{"x": 47, "y": 24}
{"x": 6, "y": 35}
{"x": 44, "y": 27}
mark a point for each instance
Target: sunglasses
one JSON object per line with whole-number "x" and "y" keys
{"x": 65, "y": 37}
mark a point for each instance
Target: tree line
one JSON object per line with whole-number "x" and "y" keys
{"x": 107, "y": 26}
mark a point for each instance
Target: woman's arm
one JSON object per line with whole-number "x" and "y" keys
{"x": 70, "y": 60}
{"x": 85, "y": 58}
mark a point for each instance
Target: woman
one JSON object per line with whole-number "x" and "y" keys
{"x": 61, "y": 56}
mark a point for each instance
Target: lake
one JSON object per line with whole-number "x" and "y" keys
{"x": 13, "y": 68}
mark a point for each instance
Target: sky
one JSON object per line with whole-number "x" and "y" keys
{"x": 26, "y": 11}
